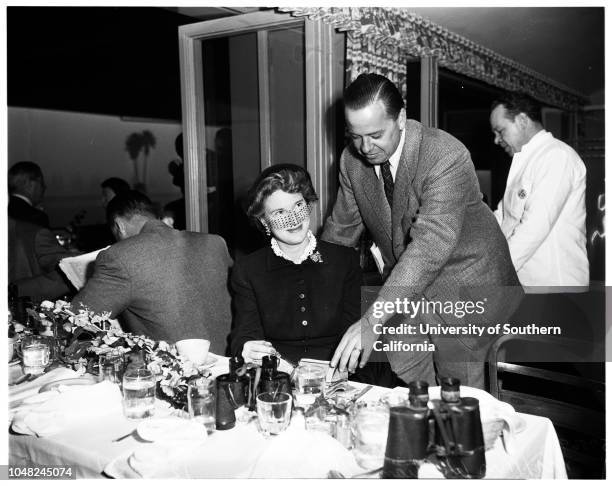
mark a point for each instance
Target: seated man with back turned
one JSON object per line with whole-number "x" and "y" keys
{"x": 160, "y": 282}
{"x": 26, "y": 186}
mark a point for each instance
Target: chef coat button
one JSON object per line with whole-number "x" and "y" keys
{"x": 304, "y": 323}
{"x": 303, "y": 309}
{"x": 302, "y": 296}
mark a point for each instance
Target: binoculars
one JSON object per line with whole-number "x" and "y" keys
{"x": 234, "y": 391}
{"x": 449, "y": 429}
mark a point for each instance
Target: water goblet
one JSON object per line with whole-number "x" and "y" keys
{"x": 309, "y": 383}
{"x": 138, "y": 393}
{"x": 35, "y": 354}
{"x": 369, "y": 427}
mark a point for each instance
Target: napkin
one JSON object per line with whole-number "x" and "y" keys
{"x": 175, "y": 440}
{"x": 242, "y": 452}
{"x": 224, "y": 454}
{"x": 66, "y": 407}
{"x": 303, "y": 454}
{"x": 490, "y": 409}
{"x": 18, "y": 392}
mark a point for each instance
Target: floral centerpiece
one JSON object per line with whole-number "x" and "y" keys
{"x": 82, "y": 336}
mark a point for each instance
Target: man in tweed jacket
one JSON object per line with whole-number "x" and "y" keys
{"x": 437, "y": 238}
{"x": 163, "y": 283}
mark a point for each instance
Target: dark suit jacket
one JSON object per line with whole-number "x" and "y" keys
{"x": 303, "y": 310}
{"x": 440, "y": 240}
{"x": 166, "y": 284}
{"x": 33, "y": 255}
{"x": 22, "y": 211}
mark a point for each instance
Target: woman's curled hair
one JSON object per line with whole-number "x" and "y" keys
{"x": 289, "y": 178}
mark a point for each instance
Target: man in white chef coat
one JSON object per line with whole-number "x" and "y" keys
{"x": 542, "y": 213}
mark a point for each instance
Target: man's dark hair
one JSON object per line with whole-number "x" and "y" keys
{"x": 116, "y": 184}
{"x": 21, "y": 173}
{"x": 285, "y": 177}
{"x": 128, "y": 204}
{"x": 516, "y": 104}
{"x": 370, "y": 87}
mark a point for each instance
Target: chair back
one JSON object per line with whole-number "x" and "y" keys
{"x": 570, "y": 394}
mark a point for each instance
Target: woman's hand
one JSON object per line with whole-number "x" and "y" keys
{"x": 253, "y": 351}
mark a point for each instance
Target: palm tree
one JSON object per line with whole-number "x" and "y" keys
{"x": 136, "y": 143}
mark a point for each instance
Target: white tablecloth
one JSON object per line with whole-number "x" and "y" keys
{"x": 242, "y": 452}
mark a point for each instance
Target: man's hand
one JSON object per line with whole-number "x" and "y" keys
{"x": 357, "y": 340}
{"x": 253, "y": 351}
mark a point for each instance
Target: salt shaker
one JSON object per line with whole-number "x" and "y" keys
{"x": 343, "y": 430}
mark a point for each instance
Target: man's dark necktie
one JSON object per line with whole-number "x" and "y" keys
{"x": 387, "y": 181}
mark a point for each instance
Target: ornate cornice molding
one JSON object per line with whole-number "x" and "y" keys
{"x": 419, "y": 37}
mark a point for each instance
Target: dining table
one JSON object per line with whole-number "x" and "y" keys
{"x": 97, "y": 441}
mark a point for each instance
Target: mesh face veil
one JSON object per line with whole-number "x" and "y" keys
{"x": 289, "y": 219}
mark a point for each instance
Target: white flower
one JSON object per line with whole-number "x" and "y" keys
{"x": 155, "y": 368}
{"x": 47, "y": 305}
{"x": 168, "y": 390}
{"x": 81, "y": 320}
{"x": 61, "y": 304}
{"x": 108, "y": 339}
{"x": 163, "y": 346}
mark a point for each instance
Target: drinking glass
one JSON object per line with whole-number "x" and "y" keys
{"x": 111, "y": 366}
{"x": 369, "y": 427}
{"x": 35, "y": 353}
{"x": 309, "y": 383}
{"x": 138, "y": 393}
{"x": 201, "y": 402}
{"x": 273, "y": 412}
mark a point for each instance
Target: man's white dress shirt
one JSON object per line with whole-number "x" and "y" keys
{"x": 543, "y": 214}
{"x": 394, "y": 159}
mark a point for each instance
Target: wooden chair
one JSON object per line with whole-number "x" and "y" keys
{"x": 576, "y": 405}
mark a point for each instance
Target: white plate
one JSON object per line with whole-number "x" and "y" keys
{"x": 91, "y": 380}
{"x": 169, "y": 429}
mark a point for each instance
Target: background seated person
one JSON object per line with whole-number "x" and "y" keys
{"x": 111, "y": 187}
{"x": 160, "y": 282}
{"x": 298, "y": 295}
{"x": 33, "y": 255}
{"x": 26, "y": 186}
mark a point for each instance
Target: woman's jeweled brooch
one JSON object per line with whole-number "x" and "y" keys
{"x": 316, "y": 257}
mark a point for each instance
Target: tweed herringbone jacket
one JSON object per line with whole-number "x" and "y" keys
{"x": 166, "y": 284}
{"x": 440, "y": 240}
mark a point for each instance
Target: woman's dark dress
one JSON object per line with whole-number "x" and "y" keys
{"x": 302, "y": 309}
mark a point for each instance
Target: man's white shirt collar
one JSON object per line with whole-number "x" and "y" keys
{"x": 25, "y": 198}
{"x": 536, "y": 141}
{"x": 395, "y": 158}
